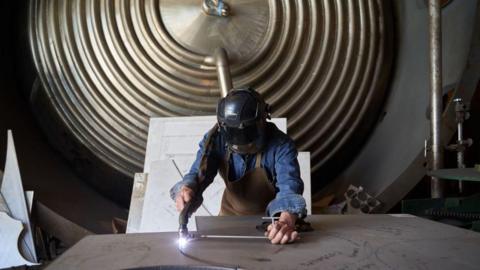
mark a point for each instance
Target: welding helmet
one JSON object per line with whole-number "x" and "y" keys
{"x": 242, "y": 118}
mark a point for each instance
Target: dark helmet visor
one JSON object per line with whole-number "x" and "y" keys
{"x": 241, "y": 136}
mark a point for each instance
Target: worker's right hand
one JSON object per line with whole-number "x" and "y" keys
{"x": 283, "y": 231}
{"x": 184, "y": 195}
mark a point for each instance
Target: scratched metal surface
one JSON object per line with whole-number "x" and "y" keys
{"x": 237, "y": 225}
{"x": 339, "y": 242}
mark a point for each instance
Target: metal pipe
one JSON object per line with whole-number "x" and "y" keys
{"x": 223, "y": 71}
{"x": 461, "y": 115}
{"x": 435, "y": 38}
{"x": 460, "y": 156}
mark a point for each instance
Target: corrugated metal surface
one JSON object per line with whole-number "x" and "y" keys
{"x": 108, "y": 66}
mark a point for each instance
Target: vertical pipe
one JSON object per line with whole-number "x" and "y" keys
{"x": 435, "y": 37}
{"x": 460, "y": 155}
{"x": 460, "y": 116}
{"x": 223, "y": 71}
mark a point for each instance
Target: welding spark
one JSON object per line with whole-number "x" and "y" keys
{"x": 182, "y": 242}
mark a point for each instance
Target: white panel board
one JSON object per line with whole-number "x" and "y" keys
{"x": 304, "y": 161}
{"x": 170, "y": 137}
{"x": 3, "y": 205}
{"x": 10, "y": 230}
{"x": 175, "y": 140}
{"x": 159, "y": 212}
{"x": 136, "y": 202}
{"x": 29, "y": 196}
{"x": 14, "y": 195}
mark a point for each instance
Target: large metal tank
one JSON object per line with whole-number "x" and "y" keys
{"x": 106, "y": 67}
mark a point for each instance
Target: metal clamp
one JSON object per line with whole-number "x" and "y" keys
{"x": 216, "y": 8}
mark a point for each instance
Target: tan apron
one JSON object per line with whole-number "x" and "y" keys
{"x": 248, "y": 195}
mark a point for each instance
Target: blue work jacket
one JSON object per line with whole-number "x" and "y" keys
{"x": 279, "y": 159}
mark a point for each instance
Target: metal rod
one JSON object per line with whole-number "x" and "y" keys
{"x": 435, "y": 37}
{"x": 233, "y": 236}
{"x": 460, "y": 115}
{"x": 460, "y": 154}
{"x": 223, "y": 71}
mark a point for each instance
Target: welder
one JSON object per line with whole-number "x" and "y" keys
{"x": 257, "y": 162}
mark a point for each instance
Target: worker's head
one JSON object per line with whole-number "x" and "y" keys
{"x": 242, "y": 116}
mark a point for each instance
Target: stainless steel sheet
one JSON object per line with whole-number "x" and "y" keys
{"x": 338, "y": 242}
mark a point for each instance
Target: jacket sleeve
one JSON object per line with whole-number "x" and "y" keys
{"x": 190, "y": 179}
{"x": 288, "y": 183}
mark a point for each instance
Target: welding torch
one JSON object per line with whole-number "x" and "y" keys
{"x": 183, "y": 235}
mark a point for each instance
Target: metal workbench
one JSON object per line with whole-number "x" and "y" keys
{"x": 338, "y": 242}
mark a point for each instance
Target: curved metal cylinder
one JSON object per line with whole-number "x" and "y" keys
{"x": 108, "y": 66}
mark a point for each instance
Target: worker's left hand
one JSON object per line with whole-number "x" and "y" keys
{"x": 283, "y": 230}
